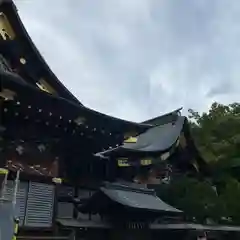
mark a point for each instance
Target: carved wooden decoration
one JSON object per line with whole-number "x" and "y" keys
{"x": 30, "y": 158}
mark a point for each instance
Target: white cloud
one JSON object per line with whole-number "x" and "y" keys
{"x": 138, "y": 59}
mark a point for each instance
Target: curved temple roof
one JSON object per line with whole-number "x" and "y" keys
{"x": 27, "y": 94}
{"x": 35, "y": 75}
{"x": 157, "y": 139}
{"x": 138, "y": 200}
{"x": 125, "y": 196}
{"x": 20, "y": 49}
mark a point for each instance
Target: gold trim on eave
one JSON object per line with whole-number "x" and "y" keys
{"x": 7, "y": 94}
{"x": 131, "y": 140}
{"x": 45, "y": 86}
{"x": 165, "y": 156}
{"x": 6, "y": 30}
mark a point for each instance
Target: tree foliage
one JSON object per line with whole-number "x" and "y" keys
{"x": 217, "y": 133}
{"x": 198, "y": 199}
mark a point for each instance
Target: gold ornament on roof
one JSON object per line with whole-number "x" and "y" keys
{"x": 131, "y": 140}
{"x": 7, "y": 94}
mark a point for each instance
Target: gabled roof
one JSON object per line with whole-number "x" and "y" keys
{"x": 158, "y": 144}
{"x": 156, "y": 139}
{"x": 138, "y": 199}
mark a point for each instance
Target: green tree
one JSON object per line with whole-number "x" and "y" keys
{"x": 198, "y": 199}
{"x": 217, "y": 132}
{"x": 230, "y": 197}
{"x": 217, "y": 135}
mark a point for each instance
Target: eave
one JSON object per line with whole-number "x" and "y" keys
{"x": 26, "y": 50}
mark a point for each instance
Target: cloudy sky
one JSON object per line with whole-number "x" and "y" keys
{"x": 137, "y": 59}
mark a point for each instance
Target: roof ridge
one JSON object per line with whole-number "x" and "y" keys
{"x": 130, "y": 188}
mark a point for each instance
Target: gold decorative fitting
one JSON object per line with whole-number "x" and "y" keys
{"x": 6, "y": 30}
{"x": 123, "y": 162}
{"x": 165, "y": 156}
{"x": 45, "y": 86}
{"x": 130, "y": 134}
{"x": 131, "y": 140}
{"x": 7, "y": 94}
{"x": 80, "y": 121}
{"x": 145, "y": 162}
{"x": 23, "y": 61}
{"x": 57, "y": 180}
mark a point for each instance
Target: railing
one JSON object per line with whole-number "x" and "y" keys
{"x": 8, "y": 225}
